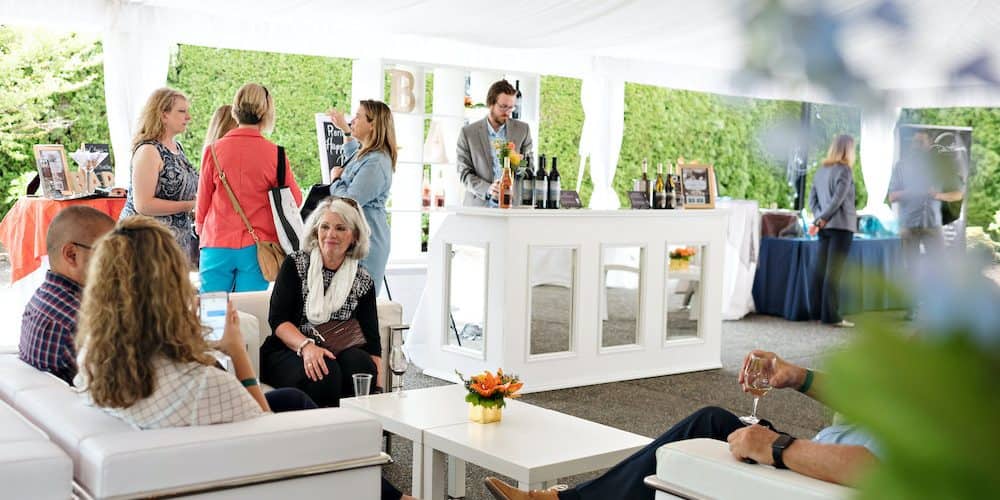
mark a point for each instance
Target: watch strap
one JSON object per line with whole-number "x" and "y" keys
{"x": 778, "y": 448}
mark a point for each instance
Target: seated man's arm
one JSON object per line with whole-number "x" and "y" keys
{"x": 786, "y": 375}
{"x": 836, "y": 463}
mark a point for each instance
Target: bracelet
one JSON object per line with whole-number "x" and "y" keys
{"x": 298, "y": 350}
{"x": 249, "y": 382}
{"x": 807, "y": 383}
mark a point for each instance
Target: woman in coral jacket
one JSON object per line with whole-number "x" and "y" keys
{"x": 250, "y": 162}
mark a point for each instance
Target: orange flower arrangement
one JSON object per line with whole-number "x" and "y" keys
{"x": 683, "y": 253}
{"x": 489, "y": 390}
{"x": 507, "y": 150}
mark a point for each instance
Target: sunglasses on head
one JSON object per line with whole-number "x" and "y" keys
{"x": 350, "y": 201}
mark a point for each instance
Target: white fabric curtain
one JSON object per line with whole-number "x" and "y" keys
{"x": 135, "y": 64}
{"x": 877, "y": 152}
{"x": 603, "y": 100}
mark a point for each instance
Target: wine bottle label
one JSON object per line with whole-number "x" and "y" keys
{"x": 555, "y": 191}
{"x": 660, "y": 199}
{"x": 540, "y": 192}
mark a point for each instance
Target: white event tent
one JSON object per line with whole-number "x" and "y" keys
{"x": 907, "y": 51}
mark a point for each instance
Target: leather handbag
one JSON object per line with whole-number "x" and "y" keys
{"x": 269, "y": 254}
{"x": 338, "y": 335}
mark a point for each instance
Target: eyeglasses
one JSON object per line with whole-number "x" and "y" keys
{"x": 504, "y": 107}
{"x": 81, "y": 245}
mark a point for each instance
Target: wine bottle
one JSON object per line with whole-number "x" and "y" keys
{"x": 644, "y": 181}
{"x": 528, "y": 184}
{"x": 541, "y": 184}
{"x": 555, "y": 190}
{"x": 678, "y": 185}
{"x": 439, "y": 190}
{"x": 425, "y": 190}
{"x": 659, "y": 189}
{"x": 518, "y": 175}
{"x": 671, "y": 199}
{"x": 516, "y": 114}
{"x": 506, "y": 183}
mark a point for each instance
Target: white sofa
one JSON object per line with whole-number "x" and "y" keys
{"x": 30, "y": 465}
{"x": 704, "y": 468}
{"x": 390, "y": 317}
{"x": 285, "y": 455}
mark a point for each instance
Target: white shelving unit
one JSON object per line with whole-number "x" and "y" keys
{"x": 448, "y": 112}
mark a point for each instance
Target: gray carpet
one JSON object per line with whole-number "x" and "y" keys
{"x": 668, "y": 399}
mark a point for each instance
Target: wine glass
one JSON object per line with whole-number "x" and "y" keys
{"x": 398, "y": 364}
{"x": 756, "y": 379}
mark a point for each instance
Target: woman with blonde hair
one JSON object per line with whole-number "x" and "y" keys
{"x": 142, "y": 352}
{"x": 250, "y": 163}
{"x": 370, "y": 149}
{"x": 221, "y": 123}
{"x": 831, "y": 201}
{"x": 164, "y": 182}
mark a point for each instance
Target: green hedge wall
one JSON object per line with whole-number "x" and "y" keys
{"x": 983, "y": 189}
{"x": 664, "y": 124}
{"x": 301, "y": 85}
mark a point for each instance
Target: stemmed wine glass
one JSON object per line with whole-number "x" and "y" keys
{"x": 756, "y": 379}
{"x": 398, "y": 365}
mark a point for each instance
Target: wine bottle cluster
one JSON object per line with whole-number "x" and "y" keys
{"x": 537, "y": 188}
{"x": 663, "y": 193}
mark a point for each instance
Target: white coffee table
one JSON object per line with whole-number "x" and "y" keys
{"x": 533, "y": 445}
{"x": 410, "y": 414}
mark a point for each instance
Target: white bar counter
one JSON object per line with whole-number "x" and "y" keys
{"x": 566, "y": 298}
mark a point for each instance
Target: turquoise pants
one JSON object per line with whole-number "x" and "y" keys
{"x": 231, "y": 270}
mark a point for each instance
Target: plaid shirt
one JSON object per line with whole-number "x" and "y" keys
{"x": 184, "y": 394}
{"x": 48, "y": 326}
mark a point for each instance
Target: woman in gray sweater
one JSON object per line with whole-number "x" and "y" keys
{"x": 835, "y": 220}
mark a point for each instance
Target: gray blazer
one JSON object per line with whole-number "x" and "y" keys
{"x": 832, "y": 198}
{"x": 475, "y": 157}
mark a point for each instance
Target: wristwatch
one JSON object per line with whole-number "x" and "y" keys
{"x": 778, "y": 448}
{"x": 347, "y": 133}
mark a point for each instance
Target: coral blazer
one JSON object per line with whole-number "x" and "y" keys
{"x": 251, "y": 165}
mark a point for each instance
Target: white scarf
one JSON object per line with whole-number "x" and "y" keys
{"x": 321, "y": 305}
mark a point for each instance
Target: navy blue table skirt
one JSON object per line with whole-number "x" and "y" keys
{"x": 785, "y": 266}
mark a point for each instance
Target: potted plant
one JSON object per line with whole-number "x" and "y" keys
{"x": 487, "y": 393}
{"x": 680, "y": 258}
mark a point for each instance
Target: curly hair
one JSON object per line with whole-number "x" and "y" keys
{"x": 139, "y": 305}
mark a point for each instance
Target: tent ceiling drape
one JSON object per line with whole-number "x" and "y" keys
{"x": 917, "y": 53}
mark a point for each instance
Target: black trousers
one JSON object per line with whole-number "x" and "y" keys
{"x": 824, "y": 293}
{"x": 283, "y": 368}
{"x": 624, "y": 481}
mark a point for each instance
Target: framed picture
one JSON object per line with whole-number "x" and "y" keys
{"x": 53, "y": 170}
{"x": 698, "y": 183}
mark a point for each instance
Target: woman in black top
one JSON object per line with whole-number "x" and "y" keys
{"x": 320, "y": 283}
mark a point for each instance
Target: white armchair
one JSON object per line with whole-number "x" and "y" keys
{"x": 704, "y": 468}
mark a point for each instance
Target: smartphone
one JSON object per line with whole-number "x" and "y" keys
{"x": 213, "y": 314}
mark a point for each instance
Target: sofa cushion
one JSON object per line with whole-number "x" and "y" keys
{"x": 16, "y": 376}
{"x": 124, "y": 463}
{"x": 30, "y": 465}
{"x": 706, "y": 468}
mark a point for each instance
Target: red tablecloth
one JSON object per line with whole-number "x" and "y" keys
{"x": 23, "y": 230}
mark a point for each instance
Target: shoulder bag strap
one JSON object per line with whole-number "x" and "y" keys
{"x": 232, "y": 196}
{"x": 281, "y": 167}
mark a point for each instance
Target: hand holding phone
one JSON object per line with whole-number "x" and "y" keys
{"x": 214, "y": 307}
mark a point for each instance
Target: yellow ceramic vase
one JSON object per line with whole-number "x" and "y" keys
{"x": 484, "y": 415}
{"x": 679, "y": 264}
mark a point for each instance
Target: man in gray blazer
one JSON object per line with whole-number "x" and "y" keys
{"x": 478, "y": 165}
